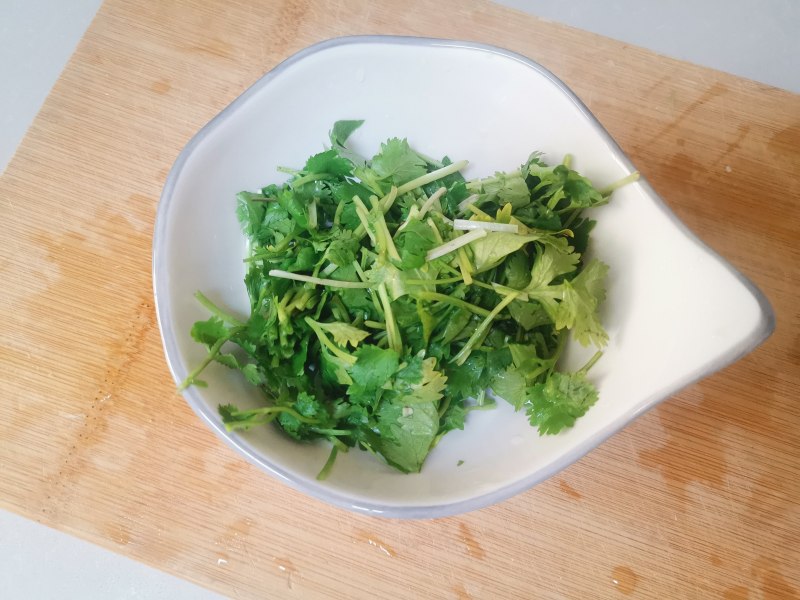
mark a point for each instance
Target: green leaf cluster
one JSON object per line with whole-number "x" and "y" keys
{"x": 387, "y": 295}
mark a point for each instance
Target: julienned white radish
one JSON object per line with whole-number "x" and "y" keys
{"x": 455, "y": 244}
{"x": 463, "y": 206}
{"x": 467, "y": 225}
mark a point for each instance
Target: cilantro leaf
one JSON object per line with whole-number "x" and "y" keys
{"x": 296, "y": 205}
{"x": 329, "y": 162}
{"x": 529, "y": 315}
{"x": 580, "y": 192}
{"x": 344, "y": 333}
{"x": 233, "y": 418}
{"x": 250, "y": 212}
{"x": 581, "y": 228}
{"x": 511, "y": 386}
{"x": 580, "y": 300}
{"x": 559, "y": 401}
{"x": 339, "y": 134}
{"x": 373, "y": 367}
{"x": 462, "y": 379}
{"x": 410, "y": 431}
{"x": 398, "y": 163}
{"x": 335, "y": 370}
{"x": 503, "y": 188}
{"x": 454, "y": 417}
{"x": 210, "y": 331}
{"x": 419, "y": 381}
{"x": 413, "y": 243}
{"x": 306, "y": 410}
{"x": 558, "y": 183}
{"x": 276, "y": 226}
{"x": 555, "y": 258}
{"x": 342, "y": 251}
{"x": 495, "y": 246}
{"x": 342, "y": 130}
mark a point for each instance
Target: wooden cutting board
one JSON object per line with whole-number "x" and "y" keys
{"x": 696, "y": 499}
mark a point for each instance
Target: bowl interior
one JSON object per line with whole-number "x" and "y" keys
{"x": 674, "y": 313}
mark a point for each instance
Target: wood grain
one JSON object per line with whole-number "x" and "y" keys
{"x": 697, "y": 499}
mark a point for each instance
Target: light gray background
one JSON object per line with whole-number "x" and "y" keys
{"x": 757, "y": 39}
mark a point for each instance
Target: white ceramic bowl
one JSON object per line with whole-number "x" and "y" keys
{"x": 675, "y": 313}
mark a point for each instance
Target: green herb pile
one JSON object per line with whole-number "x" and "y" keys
{"x": 387, "y": 295}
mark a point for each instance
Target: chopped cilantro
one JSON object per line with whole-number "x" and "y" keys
{"x": 388, "y": 294}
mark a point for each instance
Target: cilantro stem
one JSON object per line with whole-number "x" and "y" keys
{"x": 323, "y": 339}
{"x": 386, "y": 203}
{"x": 451, "y": 270}
{"x": 554, "y": 200}
{"x": 585, "y": 368}
{"x": 318, "y": 280}
{"x": 437, "y": 234}
{"x": 429, "y": 202}
{"x": 338, "y": 309}
{"x": 213, "y": 351}
{"x": 419, "y": 213}
{"x": 392, "y": 331}
{"x": 309, "y": 178}
{"x": 431, "y": 161}
{"x": 486, "y": 286}
{"x": 553, "y": 360}
{"x": 619, "y": 183}
{"x": 372, "y": 294}
{"x": 445, "y": 404}
{"x": 244, "y": 417}
{"x": 481, "y": 329}
{"x": 366, "y": 446}
{"x": 312, "y": 214}
{"x": 331, "y": 432}
{"x": 363, "y": 216}
{"x": 567, "y": 162}
{"x": 270, "y": 251}
{"x": 485, "y": 405}
{"x": 383, "y": 238}
{"x": 432, "y": 176}
{"x": 302, "y": 300}
{"x": 337, "y": 216}
{"x": 502, "y": 289}
{"x": 388, "y": 200}
{"x": 216, "y": 310}
{"x": 574, "y": 215}
{"x": 433, "y": 281}
{"x": 413, "y": 214}
{"x": 435, "y": 296}
{"x": 326, "y": 469}
{"x": 338, "y": 444}
{"x": 477, "y": 211}
{"x": 359, "y": 271}
{"x": 465, "y": 266}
